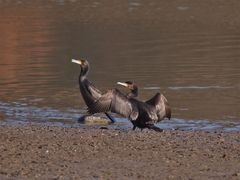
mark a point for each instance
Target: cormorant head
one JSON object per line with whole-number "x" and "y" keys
{"x": 132, "y": 86}
{"x": 83, "y": 64}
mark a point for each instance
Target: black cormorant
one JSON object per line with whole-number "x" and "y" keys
{"x": 89, "y": 92}
{"x": 132, "y": 87}
{"x": 141, "y": 114}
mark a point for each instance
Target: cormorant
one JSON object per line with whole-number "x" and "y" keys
{"x": 132, "y": 87}
{"x": 89, "y": 92}
{"x": 141, "y": 114}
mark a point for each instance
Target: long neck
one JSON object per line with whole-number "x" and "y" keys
{"x": 83, "y": 73}
{"x": 83, "y": 86}
{"x": 133, "y": 93}
{"x": 82, "y": 77}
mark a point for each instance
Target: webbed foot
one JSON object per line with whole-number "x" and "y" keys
{"x": 155, "y": 128}
{"x": 82, "y": 118}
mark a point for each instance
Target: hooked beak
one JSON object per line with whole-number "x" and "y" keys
{"x": 122, "y": 84}
{"x": 77, "y": 61}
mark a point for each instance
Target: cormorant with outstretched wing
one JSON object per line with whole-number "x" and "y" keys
{"x": 141, "y": 114}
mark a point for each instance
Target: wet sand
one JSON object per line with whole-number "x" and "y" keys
{"x": 41, "y": 152}
{"x": 71, "y": 153}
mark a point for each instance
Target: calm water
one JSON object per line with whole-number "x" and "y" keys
{"x": 198, "y": 71}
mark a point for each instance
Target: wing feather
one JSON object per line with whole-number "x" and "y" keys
{"x": 116, "y": 102}
{"x": 96, "y": 93}
{"x": 161, "y": 105}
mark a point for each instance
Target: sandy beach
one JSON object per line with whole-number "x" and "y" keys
{"x": 189, "y": 50}
{"x": 28, "y": 152}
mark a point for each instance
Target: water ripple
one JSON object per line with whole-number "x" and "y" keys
{"x": 198, "y": 87}
{"x": 21, "y": 113}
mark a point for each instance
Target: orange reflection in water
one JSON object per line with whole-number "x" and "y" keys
{"x": 25, "y": 46}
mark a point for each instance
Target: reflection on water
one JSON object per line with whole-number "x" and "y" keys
{"x": 198, "y": 71}
{"x": 20, "y": 113}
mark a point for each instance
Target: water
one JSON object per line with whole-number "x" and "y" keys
{"x": 195, "y": 65}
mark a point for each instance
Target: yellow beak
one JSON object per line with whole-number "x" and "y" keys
{"x": 123, "y": 84}
{"x": 77, "y": 61}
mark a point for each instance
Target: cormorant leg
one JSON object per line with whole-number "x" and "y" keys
{"x": 82, "y": 118}
{"x": 134, "y": 127}
{"x": 155, "y": 128}
{"x": 110, "y": 117}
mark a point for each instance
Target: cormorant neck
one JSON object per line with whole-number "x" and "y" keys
{"x": 83, "y": 73}
{"x": 133, "y": 93}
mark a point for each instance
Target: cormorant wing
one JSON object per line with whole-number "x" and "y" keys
{"x": 161, "y": 105}
{"x": 115, "y": 102}
{"x": 96, "y": 93}
{"x": 154, "y": 100}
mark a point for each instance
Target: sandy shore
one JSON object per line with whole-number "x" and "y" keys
{"x": 72, "y": 153}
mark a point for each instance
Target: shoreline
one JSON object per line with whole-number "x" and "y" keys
{"x": 32, "y": 151}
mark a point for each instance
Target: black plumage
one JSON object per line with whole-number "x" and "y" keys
{"x": 141, "y": 114}
{"x": 89, "y": 92}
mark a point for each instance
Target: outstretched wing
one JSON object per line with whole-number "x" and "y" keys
{"x": 96, "y": 93}
{"x": 116, "y": 102}
{"x": 161, "y": 105}
{"x": 89, "y": 92}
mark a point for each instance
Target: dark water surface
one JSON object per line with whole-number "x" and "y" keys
{"x": 196, "y": 69}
